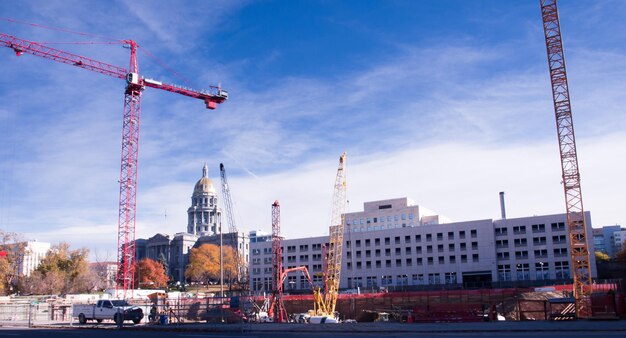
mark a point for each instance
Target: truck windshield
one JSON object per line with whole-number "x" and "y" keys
{"x": 119, "y": 303}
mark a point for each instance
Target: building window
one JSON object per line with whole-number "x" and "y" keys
{"x": 419, "y": 261}
{"x": 502, "y": 255}
{"x": 538, "y": 227}
{"x": 386, "y": 280}
{"x": 559, "y": 239}
{"x": 398, "y": 251}
{"x": 504, "y": 272}
{"x": 520, "y": 242}
{"x": 387, "y": 240}
{"x": 462, "y": 234}
{"x": 442, "y": 260}
{"x": 397, "y": 240}
{"x": 434, "y": 278}
{"x": 429, "y": 237}
{"x": 502, "y": 243}
{"x": 417, "y": 279}
{"x": 475, "y": 258}
{"x": 558, "y": 226}
{"x": 473, "y": 233}
{"x": 539, "y": 240}
{"x": 378, "y": 264}
{"x": 367, "y": 242}
{"x": 387, "y": 252}
{"x": 377, "y": 241}
{"x": 543, "y": 273}
{"x": 440, "y": 248}
{"x": 562, "y": 270}
{"x": 523, "y": 271}
{"x": 521, "y": 254}
{"x": 418, "y": 250}
{"x": 450, "y": 235}
{"x": 377, "y": 252}
{"x": 430, "y": 261}
{"x": 409, "y": 262}
{"x": 543, "y": 253}
{"x": 463, "y": 246}
{"x": 463, "y": 258}
{"x": 398, "y": 263}
{"x": 388, "y": 263}
{"x": 501, "y": 231}
{"x": 452, "y": 259}
{"x": 418, "y": 238}
{"x": 429, "y": 249}
{"x": 450, "y": 277}
{"x": 407, "y": 250}
{"x": 517, "y": 230}
{"x": 560, "y": 252}
{"x": 474, "y": 245}
{"x": 451, "y": 247}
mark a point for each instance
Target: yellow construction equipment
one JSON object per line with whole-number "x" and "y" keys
{"x": 324, "y": 304}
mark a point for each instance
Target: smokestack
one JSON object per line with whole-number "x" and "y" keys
{"x": 502, "y": 208}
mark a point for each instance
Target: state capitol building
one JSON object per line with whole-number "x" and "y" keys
{"x": 391, "y": 244}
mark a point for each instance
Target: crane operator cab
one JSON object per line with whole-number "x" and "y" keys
{"x": 132, "y": 78}
{"x": 222, "y": 93}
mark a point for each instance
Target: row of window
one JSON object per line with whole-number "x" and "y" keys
{"x": 536, "y": 228}
{"x": 409, "y": 262}
{"x": 542, "y": 271}
{"x": 539, "y": 253}
{"x": 381, "y": 219}
{"x": 520, "y": 242}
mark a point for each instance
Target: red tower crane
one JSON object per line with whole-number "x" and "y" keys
{"x": 577, "y": 229}
{"x": 135, "y": 84}
{"x": 277, "y": 308}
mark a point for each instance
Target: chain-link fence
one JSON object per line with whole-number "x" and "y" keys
{"x": 27, "y": 314}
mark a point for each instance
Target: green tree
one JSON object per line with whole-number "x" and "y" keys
{"x": 204, "y": 263}
{"x": 61, "y": 271}
{"x": 150, "y": 274}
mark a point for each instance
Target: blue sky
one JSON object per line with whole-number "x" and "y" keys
{"x": 446, "y": 102}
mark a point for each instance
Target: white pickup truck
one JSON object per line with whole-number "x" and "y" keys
{"x": 117, "y": 310}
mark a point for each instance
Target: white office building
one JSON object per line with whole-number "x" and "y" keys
{"x": 397, "y": 244}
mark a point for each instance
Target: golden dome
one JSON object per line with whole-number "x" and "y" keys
{"x": 204, "y": 184}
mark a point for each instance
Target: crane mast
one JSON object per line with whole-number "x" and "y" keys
{"x": 277, "y": 308}
{"x": 577, "y": 229}
{"x": 135, "y": 85}
{"x": 242, "y": 273}
{"x": 336, "y": 232}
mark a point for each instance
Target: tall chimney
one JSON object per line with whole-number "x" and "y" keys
{"x": 502, "y": 208}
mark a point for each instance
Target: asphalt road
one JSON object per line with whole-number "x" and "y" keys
{"x": 91, "y": 333}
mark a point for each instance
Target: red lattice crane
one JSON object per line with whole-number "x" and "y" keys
{"x": 577, "y": 229}
{"x": 277, "y": 308}
{"x": 135, "y": 84}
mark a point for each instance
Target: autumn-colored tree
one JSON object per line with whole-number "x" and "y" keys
{"x": 204, "y": 263}
{"x": 601, "y": 256}
{"x": 150, "y": 274}
{"x": 12, "y": 249}
{"x": 61, "y": 271}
